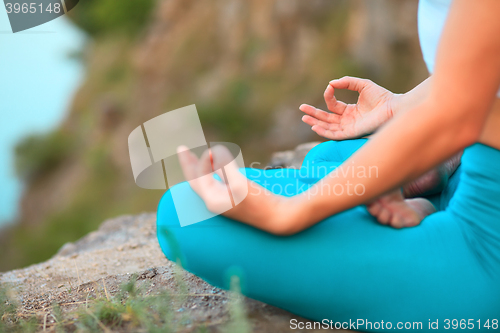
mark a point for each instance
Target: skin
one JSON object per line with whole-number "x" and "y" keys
{"x": 375, "y": 106}
{"x": 460, "y": 109}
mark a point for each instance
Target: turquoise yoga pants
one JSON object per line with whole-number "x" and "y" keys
{"x": 350, "y": 269}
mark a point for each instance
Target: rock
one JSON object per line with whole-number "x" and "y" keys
{"x": 291, "y": 158}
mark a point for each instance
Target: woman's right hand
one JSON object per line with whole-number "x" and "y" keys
{"x": 375, "y": 106}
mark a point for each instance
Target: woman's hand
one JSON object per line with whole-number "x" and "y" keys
{"x": 375, "y": 106}
{"x": 198, "y": 172}
{"x": 250, "y": 202}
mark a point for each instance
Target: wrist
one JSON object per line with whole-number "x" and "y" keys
{"x": 286, "y": 216}
{"x": 403, "y": 102}
{"x": 396, "y": 104}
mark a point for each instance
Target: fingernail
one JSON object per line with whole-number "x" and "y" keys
{"x": 180, "y": 149}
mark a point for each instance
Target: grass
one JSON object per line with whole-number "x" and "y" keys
{"x": 129, "y": 310}
{"x": 238, "y": 322}
{"x": 9, "y": 320}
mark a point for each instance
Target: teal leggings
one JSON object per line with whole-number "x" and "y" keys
{"x": 350, "y": 269}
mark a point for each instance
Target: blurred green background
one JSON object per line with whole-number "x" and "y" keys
{"x": 247, "y": 65}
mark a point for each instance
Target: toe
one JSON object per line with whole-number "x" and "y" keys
{"x": 397, "y": 221}
{"x": 374, "y": 208}
{"x": 384, "y": 216}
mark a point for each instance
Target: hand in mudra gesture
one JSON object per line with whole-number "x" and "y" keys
{"x": 348, "y": 121}
{"x": 376, "y": 106}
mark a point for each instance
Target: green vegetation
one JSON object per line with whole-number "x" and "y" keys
{"x": 100, "y": 17}
{"x": 9, "y": 321}
{"x": 129, "y": 310}
{"x": 7, "y": 309}
{"x": 38, "y": 154}
{"x": 238, "y": 322}
{"x": 231, "y": 114}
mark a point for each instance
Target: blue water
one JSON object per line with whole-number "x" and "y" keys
{"x": 37, "y": 81}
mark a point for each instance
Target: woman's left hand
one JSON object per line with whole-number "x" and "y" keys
{"x": 198, "y": 172}
{"x": 251, "y": 203}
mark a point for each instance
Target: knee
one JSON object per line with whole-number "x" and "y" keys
{"x": 166, "y": 206}
{"x": 322, "y": 152}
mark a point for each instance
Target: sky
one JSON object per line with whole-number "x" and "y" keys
{"x": 37, "y": 82}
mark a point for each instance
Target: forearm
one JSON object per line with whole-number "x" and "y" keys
{"x": 262, "y": 209}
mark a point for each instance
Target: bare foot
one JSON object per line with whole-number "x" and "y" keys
{"x": 394, "y": 210}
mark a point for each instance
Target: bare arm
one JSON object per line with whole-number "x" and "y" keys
{"x": 451, "y": 117}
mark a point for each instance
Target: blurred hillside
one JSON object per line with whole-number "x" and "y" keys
{"x": 247, "y": 65}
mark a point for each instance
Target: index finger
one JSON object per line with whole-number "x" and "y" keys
{"x": 319, "y": 114}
